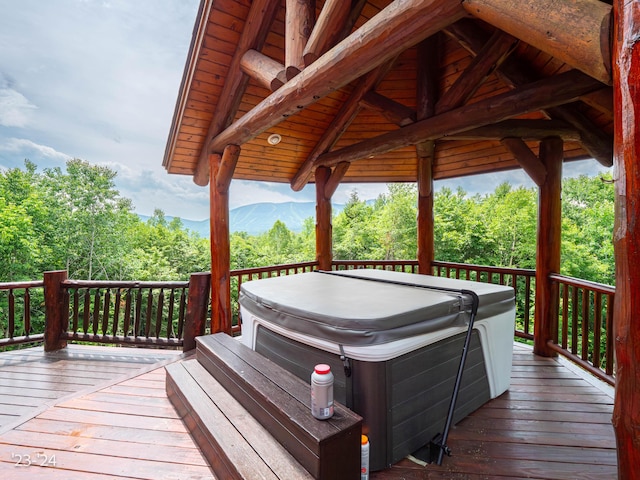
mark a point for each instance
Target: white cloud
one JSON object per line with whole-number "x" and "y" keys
{"x": 29, "y": 149}
{"x": 15, "y": 109}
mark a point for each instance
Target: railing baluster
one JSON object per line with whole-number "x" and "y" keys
{"x": 12, "y": 314}
{"x": 172, "y": 299}
{"x": 159, "y": 313}
{"x": 127, "y": 312}
{"x": 597, "y": 328}
{"x": 585, "y": 324}
{"x": 565, "y": 314}
{"x": 138, "y": 318}
{"x": 116, "y": 312}
{"x": 610, "y": 336}
{"x": 147, "y": 325}
{"x": 182, "y": 311}
{"x": 105, "y": 311}
{"x": 26, "y": 319}
{"x": 574, "y": 321}
{"x": 76, "y": 309}
{"x": 87, "y": 311}
{"x": 96, "y": 310}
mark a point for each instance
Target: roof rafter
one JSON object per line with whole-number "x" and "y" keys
{"x": 253, "y": 36}
{"x": 557, "y": 90}
{"x": 514, "y": 74}
{"x": 394, "y": 29}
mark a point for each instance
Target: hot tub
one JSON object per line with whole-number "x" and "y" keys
{"x": 393, "y": 344}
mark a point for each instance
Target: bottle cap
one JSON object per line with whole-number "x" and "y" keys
{"x": 364, "y": 439}
{"x": 322, "y": 369}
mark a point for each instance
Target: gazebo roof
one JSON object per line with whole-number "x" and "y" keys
{"x": 474, "y": 83}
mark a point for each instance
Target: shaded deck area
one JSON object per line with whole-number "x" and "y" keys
{"x": 552, "y": 424}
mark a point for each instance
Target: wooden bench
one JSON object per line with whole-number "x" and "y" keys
{"x": 280, "y": 401}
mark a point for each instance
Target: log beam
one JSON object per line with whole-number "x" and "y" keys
{"x": 327, "y": 30}
{"x": 394, "y": 29}
{"x": 254, "y": 34}
{"x": 528, "y": 160}
{"x": 220, "y": 251}
{"x": 393, "y": 111}
{"x": 494, "y": 52}
{"x": 227, "y": 167}
{"x": 265, "y": 70}
{"x": 338, "y": 173}
{"x": 300, "y": 17}
{"x": 578, "y": 32}
{"x": 324, "y": 240}
{"x": 339, "y": 124}
{"x": 515, "y": 74}
{"x": 626, "y": 236}
{"x": 548, "y": 247}
{"x": 522, "y": 128}
{"x": 562, "y": 88}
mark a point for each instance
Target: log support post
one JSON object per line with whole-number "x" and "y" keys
{"x": 548, "y": 246}
{"x": 221, "y": 170}
{"x": 323, "y": 219}
{"x": 197, "y": 309}
{"x": 427, "y": 96}
{"x": 55, "y": 310}
{"x": 626, "y": 236}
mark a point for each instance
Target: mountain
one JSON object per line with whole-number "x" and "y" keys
{"x": 259, "y": 217}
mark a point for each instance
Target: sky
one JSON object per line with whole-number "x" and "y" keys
{"x": 98, "y": 80}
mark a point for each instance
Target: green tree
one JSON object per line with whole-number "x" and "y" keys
{"x": 354, "y": 234}
{"x": 395, "y": 219}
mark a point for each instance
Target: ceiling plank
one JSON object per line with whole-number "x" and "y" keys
{"x": 400, "y": 25}
{"x": 578, "y": 32}
{"x": 253, "y": 36}
{"x": 557, "y": 90}
{"x": 327, "y": 30}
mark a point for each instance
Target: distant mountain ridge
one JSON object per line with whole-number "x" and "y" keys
{"x": 258, "y": 218}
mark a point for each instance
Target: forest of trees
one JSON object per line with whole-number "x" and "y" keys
{"x": 76, "y": 220}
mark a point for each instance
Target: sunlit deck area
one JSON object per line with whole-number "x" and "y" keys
{"x": 103, "y": 413}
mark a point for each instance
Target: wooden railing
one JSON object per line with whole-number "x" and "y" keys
{"x": 138, "y": 313}
{"x": 585, "y": 325}
{"x": 171, "y": 314}
{"x": 522, "y": 280}
{"x": 586, "y": 308}
{"x": 167, "y": 314}
{"x": 22, "y": 315}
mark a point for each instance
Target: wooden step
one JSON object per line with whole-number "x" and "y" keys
{"x": 234, "y": 443}
{"x": 280, "y": 401}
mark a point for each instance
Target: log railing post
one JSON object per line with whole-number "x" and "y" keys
{"x": 197, "y": 309}
{"x": 548, "y": 246}
{"x": 55, "y": 314}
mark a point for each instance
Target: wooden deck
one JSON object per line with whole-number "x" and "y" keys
{"x": 552, "y": 424}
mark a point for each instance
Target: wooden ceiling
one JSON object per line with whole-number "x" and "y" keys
{"x": 483, "y": 96}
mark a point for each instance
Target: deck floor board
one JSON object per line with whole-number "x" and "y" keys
{"x": 553, "y": 424}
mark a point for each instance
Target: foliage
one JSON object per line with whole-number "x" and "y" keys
{"x": 75, "y": 219}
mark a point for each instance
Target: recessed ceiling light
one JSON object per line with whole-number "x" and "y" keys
{"x": 274, "y": 139}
